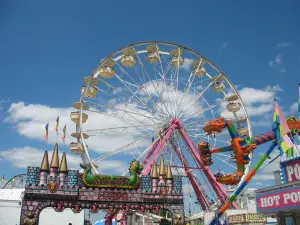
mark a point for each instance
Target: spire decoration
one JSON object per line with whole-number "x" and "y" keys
{"x": 45, "y": 163}
{"x": 169, "y": 172}
{"x": 55, "y": 158}
{"x": 154, "y": 170}
{"x": 63, "y": 164}
{"x": 162, "y": 170}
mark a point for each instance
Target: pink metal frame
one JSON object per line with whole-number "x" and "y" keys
{"x": 157, "y": 149}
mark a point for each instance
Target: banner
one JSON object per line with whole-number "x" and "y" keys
{"x": 278, "y": 200}
{"x": 290, "y": 170}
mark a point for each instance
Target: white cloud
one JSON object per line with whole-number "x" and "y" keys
{"x": 276, "y": 62}
{"x": 283, "y": 70}
{"x": 283, "y": 45}
{"x": 3, "y": 102}
{"x": 30, "y": 120}
{"x": 294, "y": 108}
{"x": 223, "y": 46}
{"x": 261, "y": 123}
{"x": 29, "y": 156}
{"x": 275, "y": 88}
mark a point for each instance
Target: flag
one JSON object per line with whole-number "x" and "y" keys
{"x": 2, "y": 180}
{"x": 46, "y": 128}
{"x": 281, "y": 129}
{"x": 64, "y": 133}
{"x": 57, "y": 124}
{"x": 279, "y": 121}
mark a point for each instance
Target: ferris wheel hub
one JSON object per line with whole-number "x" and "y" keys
{"x": 176, "y": 123}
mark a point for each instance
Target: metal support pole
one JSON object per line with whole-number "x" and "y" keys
{"x": 249, "y": 176}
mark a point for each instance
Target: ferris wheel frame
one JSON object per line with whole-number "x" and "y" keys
{"x": 118, "y": 53}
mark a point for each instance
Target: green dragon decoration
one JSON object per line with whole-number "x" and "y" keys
{"x": 106, "y": 181}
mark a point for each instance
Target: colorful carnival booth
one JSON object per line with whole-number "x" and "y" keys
{"x": 283, "y": 201}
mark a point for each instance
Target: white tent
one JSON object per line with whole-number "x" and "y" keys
{"x": 10, "y": 210}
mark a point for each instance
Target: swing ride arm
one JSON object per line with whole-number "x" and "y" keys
{"x": 239, "y": 146}
{"x": 247, "y": 179}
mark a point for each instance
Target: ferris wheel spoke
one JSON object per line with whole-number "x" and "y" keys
{"x": 129, "y": 113}
{"x": 186, "y": 91}
{"x": 190, "y": 83}
{"x": 121, "y": 110}
{"x": 224, "y": 155}
{"x": 128, "y": 145}
{"x": 204, "y": 110}
{"x": 122, "y": 148}
{"x": 205, "y": 137}
{"x": 138, "y": 86}
{"x": 171, "y": 79}
{"x": 122, "y": 81}
{"x": 176, "y": 77}
{"x": 198, "y": 97}
{"x": 234, "y": 167}
{"x": 114, "y": 130}
{"x": 195, "y": 121}
{"x": 120, "y": 101}
{"x": 164, "y": 75}
{"x": 154, "y": 86}
{"x": 144, "y": 89}
{"x": 203, "y": 80}
{"x": 115, "y": 116}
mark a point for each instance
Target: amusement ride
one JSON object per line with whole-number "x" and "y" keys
{"x": 146, "y": 104}
{"x": 156, "y": 98}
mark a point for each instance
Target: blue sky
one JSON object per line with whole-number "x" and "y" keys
{"x": 47, "y": 49}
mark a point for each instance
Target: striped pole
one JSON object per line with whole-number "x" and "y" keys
{"x": 234, "y": 195}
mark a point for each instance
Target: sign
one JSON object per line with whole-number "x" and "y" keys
{"x": 290, "y": 170}
{"x": 112, "y": 196}
{"x": 278, "y": 200}
{"x": 247, "y": 218}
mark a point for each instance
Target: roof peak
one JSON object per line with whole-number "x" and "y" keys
{"x": 63, "y": 168}
{"x": 45, "y": 162}
{"x": 55, "y": 158}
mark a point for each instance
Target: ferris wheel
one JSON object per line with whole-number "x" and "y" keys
{"x": 17, "y": 181}
{"x": 152, "y": 99}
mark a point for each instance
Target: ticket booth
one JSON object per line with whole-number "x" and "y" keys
{"x": 283, "y": 201}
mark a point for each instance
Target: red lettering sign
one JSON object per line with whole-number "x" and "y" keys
{"x": 292, "y": 170}
{"x": 278, "y": 200}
